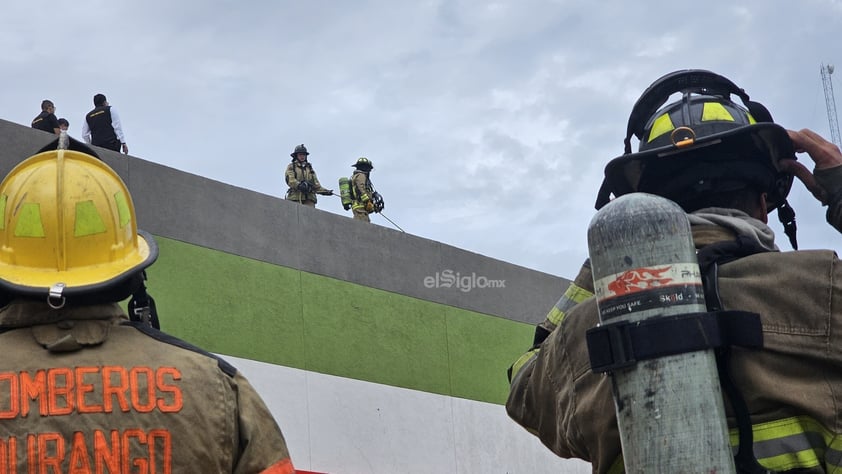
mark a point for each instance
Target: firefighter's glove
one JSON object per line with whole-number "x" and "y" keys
{"x": 346, "y": 206}
{"x": 369, "y": 206}
{"x": 305, "y": 187}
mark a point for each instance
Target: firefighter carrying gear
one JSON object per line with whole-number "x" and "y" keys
{"x": 303, "y": 185}
{"x": 364, "y": 199}
{"x": 712, "y": 146}
{"x": 571, "y": 409}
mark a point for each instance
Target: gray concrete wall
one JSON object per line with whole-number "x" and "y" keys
{"x": 182, "y": 206}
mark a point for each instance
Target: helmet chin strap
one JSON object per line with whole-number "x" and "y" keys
{"x": 787, "y": 217}
{"x": 142, "y": 307}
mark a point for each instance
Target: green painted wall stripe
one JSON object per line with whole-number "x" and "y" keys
{"x": 256, "y": 310}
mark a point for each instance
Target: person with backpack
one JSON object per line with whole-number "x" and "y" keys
{"x": 728, "y": 166}
{"x": 301, "y": 179}
{"x": 364, "y": 199}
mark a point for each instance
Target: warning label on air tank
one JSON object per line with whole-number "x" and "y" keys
{"x": 645, "y": 288}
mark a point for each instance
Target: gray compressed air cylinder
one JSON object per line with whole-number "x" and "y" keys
{"x": 669, "y": 410}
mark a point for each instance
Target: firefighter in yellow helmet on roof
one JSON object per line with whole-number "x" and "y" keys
{"x": 365, "y": 199}
{"x": 728, "y": 166}
{"x": 85, "y": 386}
{"x": 301, "y": 179}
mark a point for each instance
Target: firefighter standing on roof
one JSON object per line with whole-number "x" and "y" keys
{"x": 301, "y": 179}
{"x": 84, "y": 388}
{"x": 365, "y": 199}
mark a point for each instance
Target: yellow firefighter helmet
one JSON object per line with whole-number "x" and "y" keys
{"x": 68, "y": 229}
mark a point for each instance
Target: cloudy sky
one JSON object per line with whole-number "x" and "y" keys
{"x": 489, "y": 123}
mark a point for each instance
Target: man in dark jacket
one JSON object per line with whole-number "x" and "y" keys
{"x": 47, "y": 120}
{"x": 102, "y": 126}
{"x": 728, "y": 166}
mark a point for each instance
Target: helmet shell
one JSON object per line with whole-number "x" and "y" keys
{"x": 299, "y": 149}
{"x": 704, "y": 143}
{"x": 363, "y": 163}
{"x": 67, "y": 219}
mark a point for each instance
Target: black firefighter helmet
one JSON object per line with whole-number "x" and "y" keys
{"x": 299, "y": 149}
{"x": 701, "y": 144}
{"x": 363, "y": 164}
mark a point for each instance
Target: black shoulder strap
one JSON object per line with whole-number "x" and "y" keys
{"x": 710, "y": 257}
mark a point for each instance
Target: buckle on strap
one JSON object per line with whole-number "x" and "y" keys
{"x": 610, "y": 346}
{"x": 617, "y": 345}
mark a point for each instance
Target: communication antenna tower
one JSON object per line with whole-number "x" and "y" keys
{"x": 831, "y": 104}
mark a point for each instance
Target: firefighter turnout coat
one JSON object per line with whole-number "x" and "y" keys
{"x": 361, "y": 191}
{"x": 85, "y": 390}
{"x": 296, "y": 173}
{"x": 792, "y": 386}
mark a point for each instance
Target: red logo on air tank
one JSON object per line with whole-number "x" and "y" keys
{"x": 641, "y": 279}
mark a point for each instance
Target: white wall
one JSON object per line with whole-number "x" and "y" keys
{"x": 344, "y": 426}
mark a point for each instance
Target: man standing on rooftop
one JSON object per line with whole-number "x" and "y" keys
{"x": 102, "y": 126}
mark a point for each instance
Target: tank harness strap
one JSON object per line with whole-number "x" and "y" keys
{"x": 710, "y": 258}
{"x": 352, "y": 188}
{"x": 617, "y": 345}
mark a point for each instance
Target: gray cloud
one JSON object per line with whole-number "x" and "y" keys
{"x": 489, "y": 123}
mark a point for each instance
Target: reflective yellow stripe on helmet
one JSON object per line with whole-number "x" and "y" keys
{"x": 124, "y": 210}
{"x": 29, "y": 221}
{"x": 88, "y": 221}
{"x": 660, "y": 126}
{"x": 715, "y": 111}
